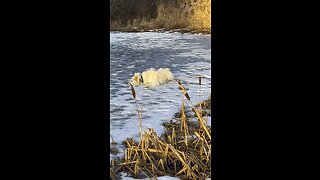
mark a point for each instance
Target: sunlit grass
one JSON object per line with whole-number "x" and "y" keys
{"x": 200, "y": 18}
{"x": 169, "y": 16}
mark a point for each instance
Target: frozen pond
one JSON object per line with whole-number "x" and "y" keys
{"x": 187, "y": 55}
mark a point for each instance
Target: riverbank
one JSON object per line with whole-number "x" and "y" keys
{"x": 183, "y": 16}
{"x": 162, "y": 30}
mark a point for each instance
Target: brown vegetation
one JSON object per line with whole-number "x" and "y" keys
{"x": 147, "y": 15}
{"x": 183, "y": 150}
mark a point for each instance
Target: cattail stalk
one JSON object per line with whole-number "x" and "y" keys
{"x": 138, "y": 110}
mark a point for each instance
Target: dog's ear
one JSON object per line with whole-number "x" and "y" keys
{"x": 136, "y": 77}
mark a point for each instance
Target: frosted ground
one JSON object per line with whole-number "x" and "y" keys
{"x": 187, "y": 55}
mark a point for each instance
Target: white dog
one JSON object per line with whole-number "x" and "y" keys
{"x": 152, "y": 77}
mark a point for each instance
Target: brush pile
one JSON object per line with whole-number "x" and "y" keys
{"x": 183, "y": 150}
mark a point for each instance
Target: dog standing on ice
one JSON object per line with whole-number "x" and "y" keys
{"x": 152, "y": 77}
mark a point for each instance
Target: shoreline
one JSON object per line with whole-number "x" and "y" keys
{"x": 162, "y": 30}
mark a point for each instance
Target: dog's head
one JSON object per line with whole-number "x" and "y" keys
{"x": 136, "y": 79}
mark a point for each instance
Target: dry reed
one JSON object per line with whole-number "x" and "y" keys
{"x": 152, "y": 15}
{"x": 183, "y": 150}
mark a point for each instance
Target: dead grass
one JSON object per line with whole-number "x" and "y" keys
{"x": 200, "y": 18}
{"x": 183, "y": 150}
{"x": 179, "y": 15}
{"x": 170, "y": 17}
